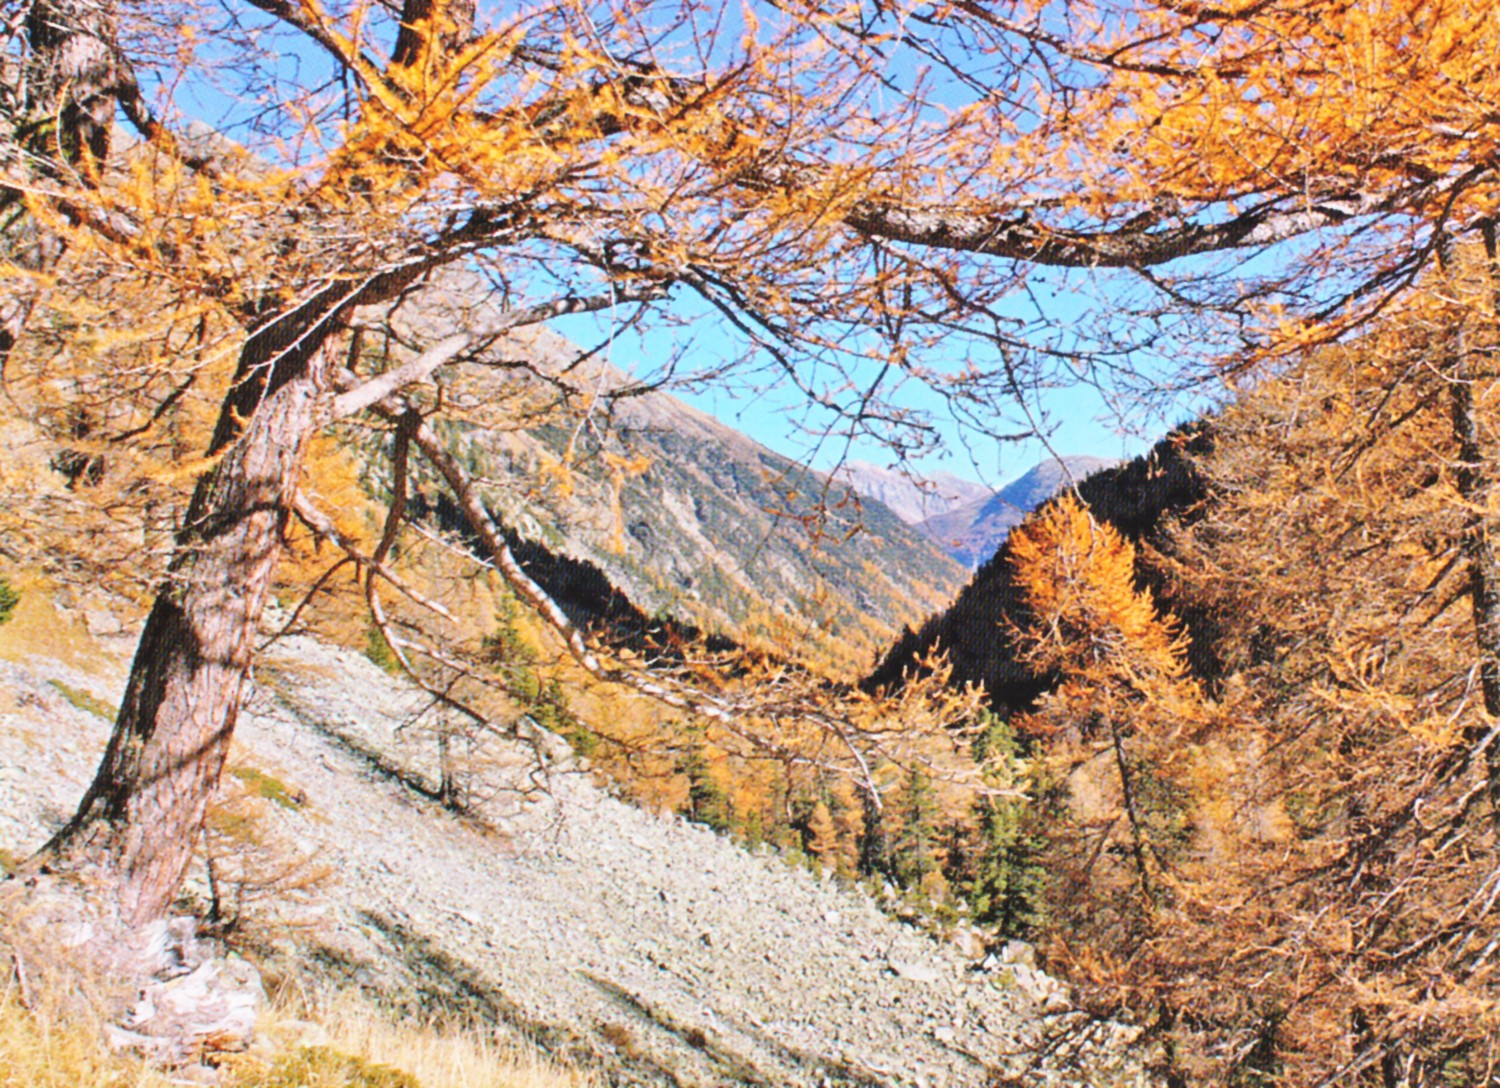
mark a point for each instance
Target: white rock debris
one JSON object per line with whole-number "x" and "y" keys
{"x": 604, "y": 932}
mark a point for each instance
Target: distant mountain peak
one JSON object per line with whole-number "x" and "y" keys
{"x": 971, "y": 532}
{"x": 911, "y": 498}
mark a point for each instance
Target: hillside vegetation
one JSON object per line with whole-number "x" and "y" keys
{"x": 356, "y": 1046}
{"x": 690, "y": 519}
{"x": 1261, "y": 769}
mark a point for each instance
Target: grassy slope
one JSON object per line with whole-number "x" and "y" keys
{"x": 357, "y": 1047}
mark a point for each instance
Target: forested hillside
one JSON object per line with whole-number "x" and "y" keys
{"x": 976, "y": 634}
{"x": 1242, "y": 674}
{"x": 266, "y": 265}
{"x": 691, "y": 519}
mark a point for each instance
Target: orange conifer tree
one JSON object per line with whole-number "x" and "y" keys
{"x": 846, "y": 189}
{"x": 1118, "y": 730}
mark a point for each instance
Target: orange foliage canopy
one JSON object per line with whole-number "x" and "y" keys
{"x": 848, "y": 189}
{"x": 1287, "y": 865}
{"x": 1078, "y": 575}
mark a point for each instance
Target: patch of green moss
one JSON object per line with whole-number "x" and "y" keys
{"x": 320, "y": 1067}
{"x": 269, "y": 787}
{"x": 378, "y": 650}
{"x": 84, "y": 701}
{"x": 9, "y": 598}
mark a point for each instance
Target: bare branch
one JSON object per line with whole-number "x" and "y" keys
{"x": 1019, "y": 238}
{"x": 419, "y": 369}
{"x": 298, "y": 16}
{"x": 323, "y": 526}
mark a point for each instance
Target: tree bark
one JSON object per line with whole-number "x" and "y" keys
{"x": 1471, "y": 381}
{"x": 1474, "y": 486}
{"x": 60, "y": 105}
{"x": 142, "y": 815}
{"x": 140, "y": 819}
{"x": 452, "y": 21}
{"x": 72, "y": 75}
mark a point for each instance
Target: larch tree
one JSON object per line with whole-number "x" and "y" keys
{"x": 1121, "y": 727}
{"x": 851, "y": 191}
{"x": 1346, "y": 928}
{"x": 573, "y": 158}
{"x": 1352, "y": 946}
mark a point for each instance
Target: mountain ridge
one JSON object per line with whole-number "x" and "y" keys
{"x": 971, "y": 532}
{"x": 911, "y": 498}
{"x": 707, "y": 524}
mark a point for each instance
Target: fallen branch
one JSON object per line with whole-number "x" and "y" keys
{"x": 23, "y": 988}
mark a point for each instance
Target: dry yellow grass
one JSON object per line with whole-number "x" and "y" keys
{"x": 39, "y": 1051}
{"x": 40, "y": 628}
{"x": 363, "y": 1049}
{"x": 437, "y": 1057}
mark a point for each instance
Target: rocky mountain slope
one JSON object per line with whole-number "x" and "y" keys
{"x": 706, "y": 524}
{"x": 614, "y": 936}
{"x": 971, "y": 531}
{"x": 911, "y": 500}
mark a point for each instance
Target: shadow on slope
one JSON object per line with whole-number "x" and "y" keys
{"x": 584, "y": 592}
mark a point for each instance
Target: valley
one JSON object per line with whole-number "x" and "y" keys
{"x": 384, "y": 674}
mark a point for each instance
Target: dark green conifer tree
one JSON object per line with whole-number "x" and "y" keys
{"x": 1006, "y": 877}
{"x": 9, "y": 598}
{"x": 707, "y": 801}
{"x": 913, "y": 854}
{"x": 874, "y": 844}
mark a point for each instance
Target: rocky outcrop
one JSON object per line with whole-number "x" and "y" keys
{"x": 911, "y": 498}
{"x": 161, "y": 990}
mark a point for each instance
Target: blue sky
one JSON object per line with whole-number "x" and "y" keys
{"x": 1080, "y": 420}
{"x": 1076, "y": 417}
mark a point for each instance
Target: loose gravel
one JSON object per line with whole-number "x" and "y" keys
{"x": 646, "y": 945}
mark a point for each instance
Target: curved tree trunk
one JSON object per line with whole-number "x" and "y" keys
{"x": 1471, "y": 376}
{"x": 142, "y": 815}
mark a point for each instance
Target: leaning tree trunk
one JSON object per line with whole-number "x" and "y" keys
{"x": 141, "y": 817}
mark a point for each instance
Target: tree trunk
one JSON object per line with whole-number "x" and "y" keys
{"x": 1471, "y": 378}
{"x": 1474, "y": 485}
{"x": 142, "y": 815}
{"x": 60, "y": 103}
{"x": 71, "y": 81}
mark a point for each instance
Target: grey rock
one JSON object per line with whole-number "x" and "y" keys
{"x": 914, "y": 972}
{"x": 968, "y": 941}
{"x": 102, "y": 623}
{"x": 549, "y": 918}
{"x": 1014, "y": 951}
